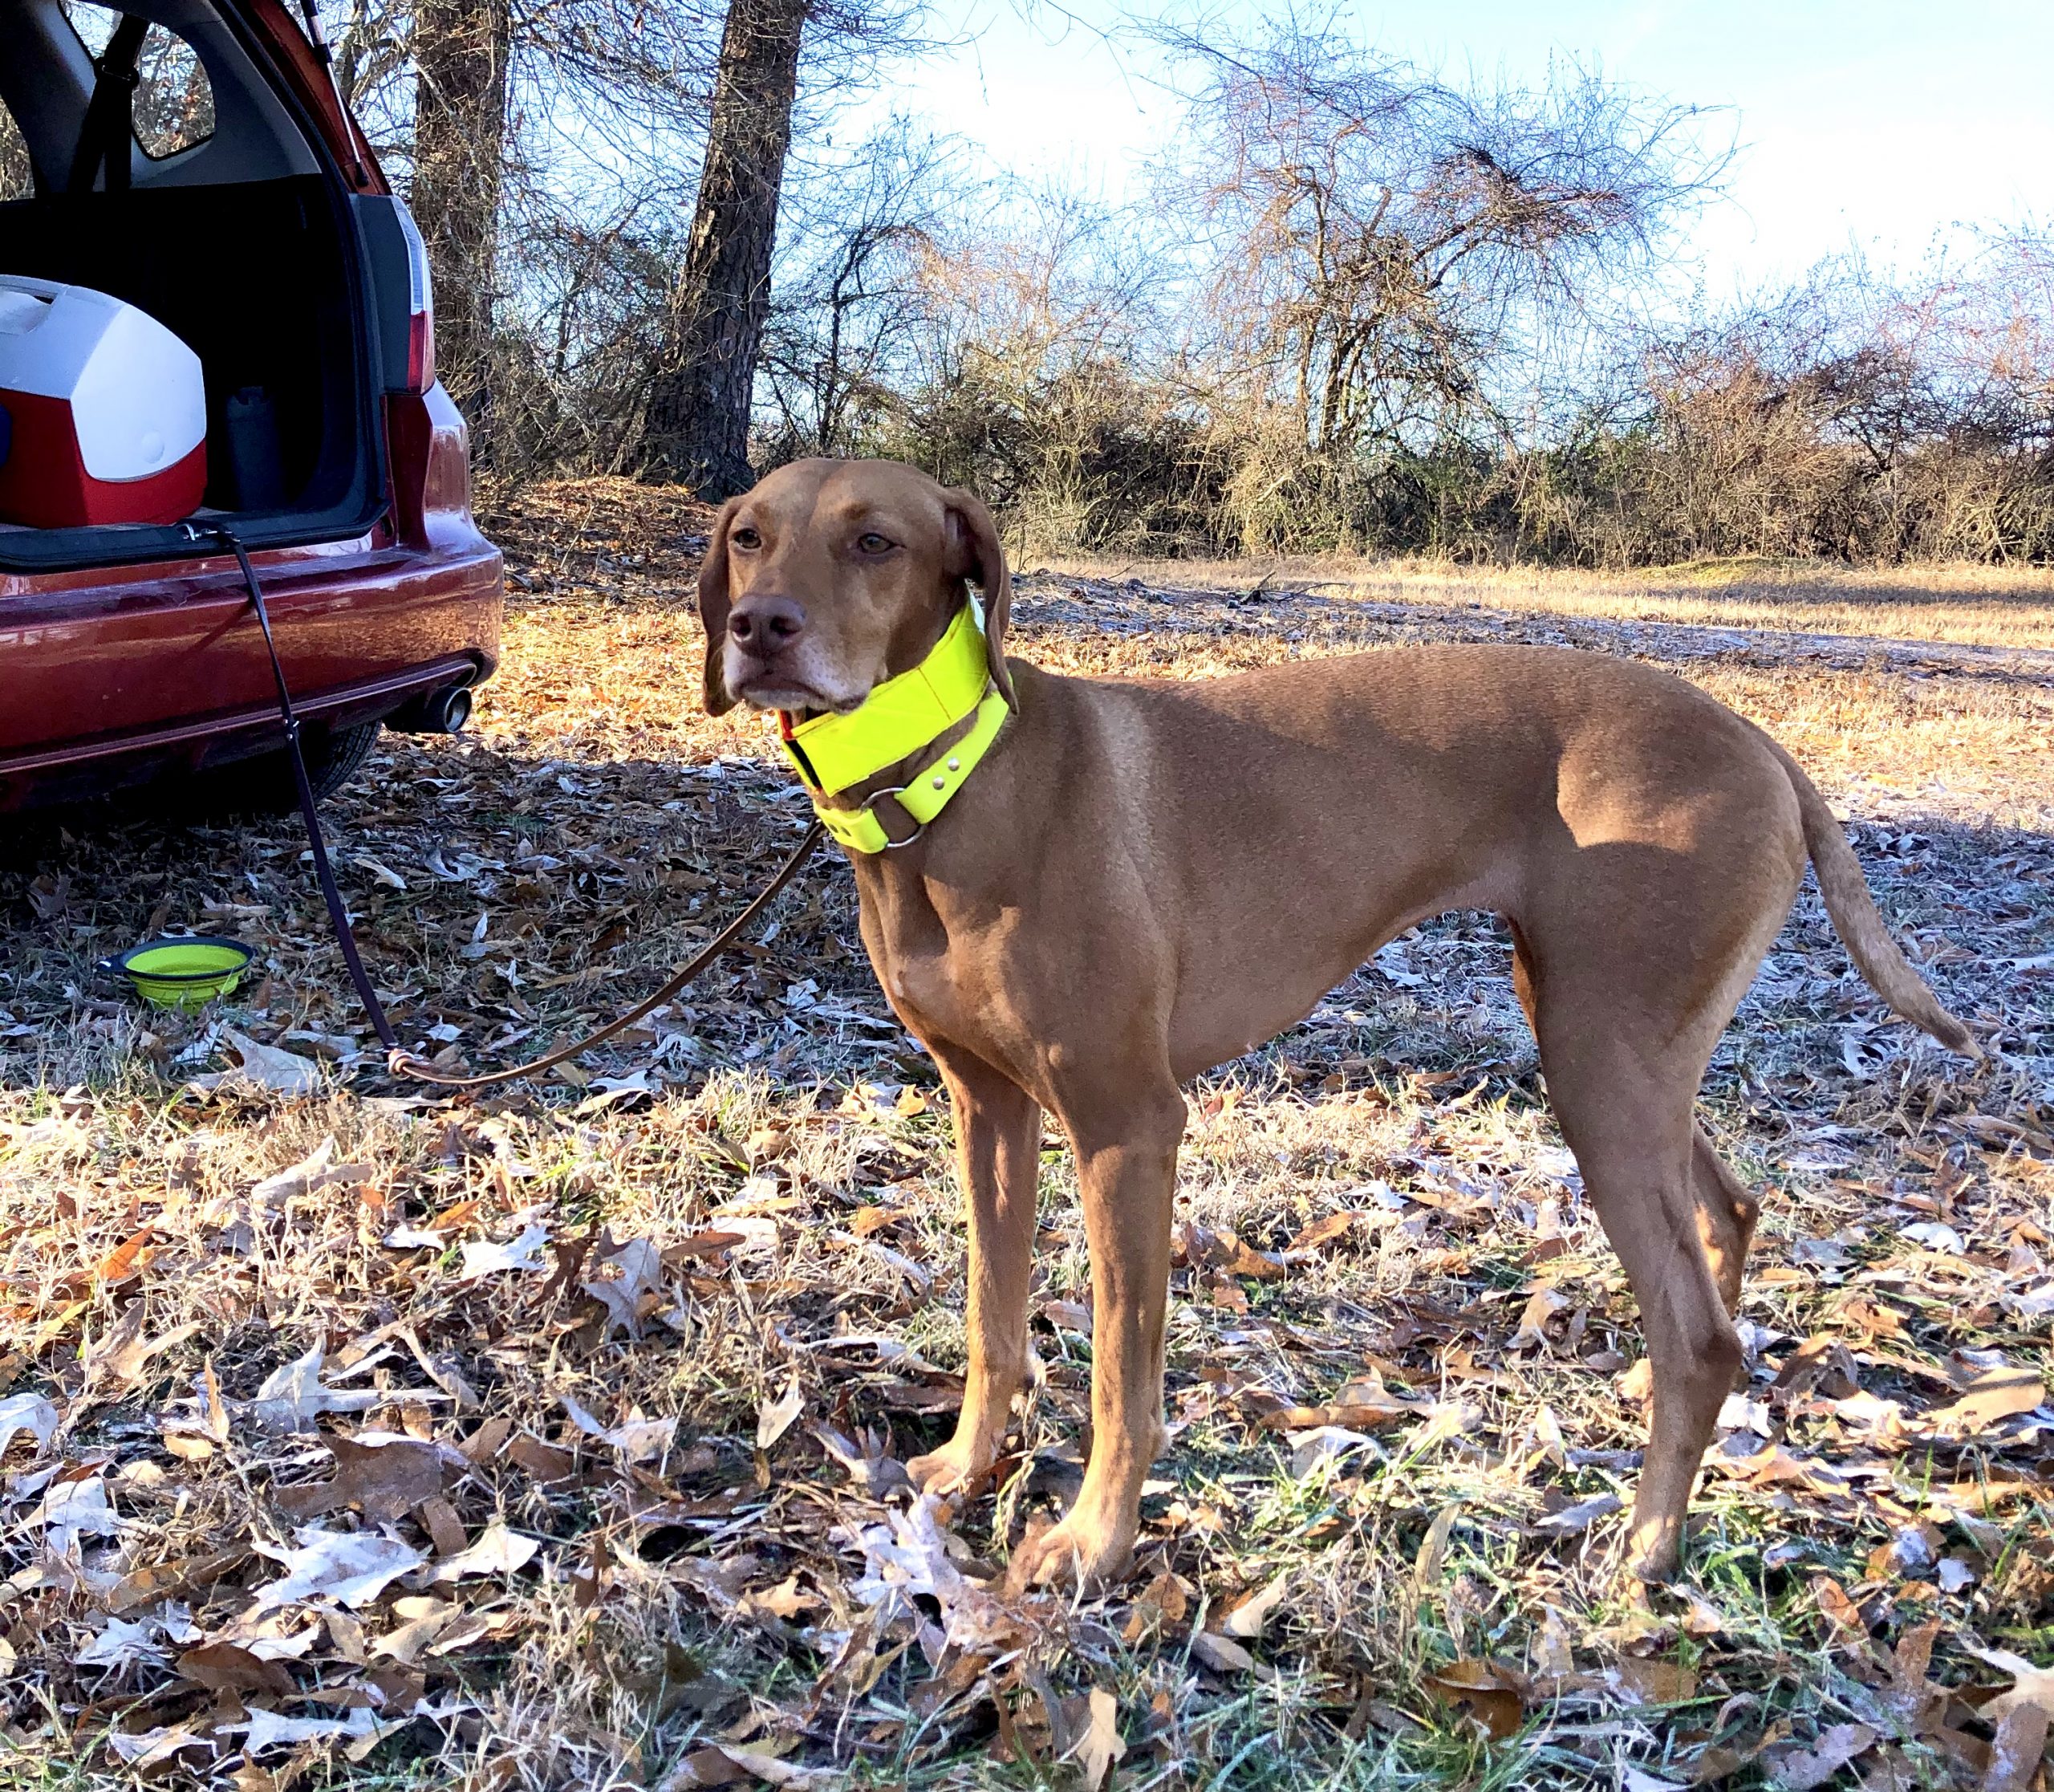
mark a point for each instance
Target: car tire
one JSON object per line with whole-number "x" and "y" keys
{"x": 264, "y": 785}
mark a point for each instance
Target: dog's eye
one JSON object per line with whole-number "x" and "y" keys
{"x": 873, "y": 543}
{"x": 746, "y": 539}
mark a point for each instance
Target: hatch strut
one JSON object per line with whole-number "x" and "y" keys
{"x": 310, "y": 9}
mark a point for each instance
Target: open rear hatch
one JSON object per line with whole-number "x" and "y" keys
{"x": 158, "y": 154}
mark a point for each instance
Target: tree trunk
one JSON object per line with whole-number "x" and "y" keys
{"x": 460, "y": 52}
{"x": 697, "y": 428}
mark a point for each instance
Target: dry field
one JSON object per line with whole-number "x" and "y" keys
{"x": 355, "y": 1436}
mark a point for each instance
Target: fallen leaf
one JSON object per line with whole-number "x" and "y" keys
{"x": 776, "y": 1417}
{"x": 121, "y": 1644}
{"x": 1840, "y": 1610}
{"x": 907, "y": 1556}
{"x": 265, "y": 1730}
{"x": 543, "y": 1462}
{"x": 384, "y": 1479}
{"x": 497, "y": 1551}
{"x": 1247, "y": 1618}
{"x": 482, "y": 1257}
{"x": 1994, "y": 1397}
{"x": 122, "y": 1356}
{"x": 1323, "y": 1444}
{"x": 126, "y": 1258}
{"x": 153, "y": 1748}
{"x": 635, "y": 1437}
{"x": 1799, "y": 1769}
{"x": 1221, "y": 1654}
{"x": 1100, "y": 1744}
{"x": 292, "y": 1397}
{"x": 1485, "y": 1694}
{"x": 1822, "y": 1364}
{"x": 71, "y": 1509}
{"x": 345, "y": 1568}
{"x": 316, "y": 1171}
{"x": 1651, "y": 1682}
{"x": 2016, "y": 1750}
{"x": 266, "y": 1067}
{"x": 2033, "y": 1686}
{"x": 641, "y": 1273}
{"x": 1323, "y": 1232}
{"x": 227, "y": 1667}
{"x": 29, "y": 1412}
{"x": 1579, "y": 1516}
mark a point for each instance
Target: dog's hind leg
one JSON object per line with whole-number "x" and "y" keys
{"x": 1628, "y": 1119}
{"x": 1727, "y": 1214}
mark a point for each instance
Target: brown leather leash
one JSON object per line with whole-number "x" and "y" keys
{"x": 405, "y": 1064}
{"x": 398, "y": 1061}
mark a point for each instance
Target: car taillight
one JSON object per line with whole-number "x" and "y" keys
{"x": 421, "y": 305}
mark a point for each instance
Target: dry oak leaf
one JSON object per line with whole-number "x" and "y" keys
{"x": 2031, "y": 1685}
{"x": 1251, "y": 1613}
{"x": 1098, "y": 1743}
{"x": 776, "y": 1417}
{"x": 1646, "y": 1682}
{"x": 384, "y": 1478}
{"x": 638, "y": 1438}
{"x": 1994, "y": 1395}
{"x": 482, "y": 1257}
{"x": 1489, "y": 1696}
{"x": 316, "y": 1171}
{"x": 344, "y": 1567}
{"x": 1800, "y": 1769}
{"x": 1221, "y": 1654}
{"x": 641, "y": 1272}
{"x": 261, "y": 1066}
{"x": 2015, "y": 1751}
{"x": 29, "y": 1412}
{"x": 497, "y": 1551}
{"x": 1323, "y": 1232}
{"x": 292, "y": 1397}
{"x": 123, "y": 1354}
{"x": 767, "y": 1769}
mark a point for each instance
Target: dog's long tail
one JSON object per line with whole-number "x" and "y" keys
{"x": 1876, "y": 955}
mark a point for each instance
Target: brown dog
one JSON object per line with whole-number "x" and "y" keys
{"x": 1145, "y": 878}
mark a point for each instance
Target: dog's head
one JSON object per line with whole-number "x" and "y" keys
{"x": 831, "y": 576}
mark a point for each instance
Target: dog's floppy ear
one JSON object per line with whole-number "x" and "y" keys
{"x": 974, "y": 553}
{"x": 714, "y": 610}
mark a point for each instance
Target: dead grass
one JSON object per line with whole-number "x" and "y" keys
{"x": 1382, "y": 1551}
{"x": 1962, "y": 603}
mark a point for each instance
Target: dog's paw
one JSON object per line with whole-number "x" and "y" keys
{"x": 960, "y": 1463}
{"x": 1078, "y": 1552}
{"x": 1654, "y": 1554}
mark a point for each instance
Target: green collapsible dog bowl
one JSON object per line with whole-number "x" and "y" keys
{"x": 188, "y": 972}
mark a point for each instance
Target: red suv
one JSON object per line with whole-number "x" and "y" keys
{"x": 251, "y": 220}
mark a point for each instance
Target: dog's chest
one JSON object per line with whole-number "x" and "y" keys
{"x": 938, "y": 983}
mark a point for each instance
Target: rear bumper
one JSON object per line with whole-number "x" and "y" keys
{"x": 102, "y": 685}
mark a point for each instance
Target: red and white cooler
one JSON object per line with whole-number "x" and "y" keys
{"x": 106, "y": 410}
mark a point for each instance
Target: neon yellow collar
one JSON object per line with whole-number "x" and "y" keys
{"x": 899, "y": 717}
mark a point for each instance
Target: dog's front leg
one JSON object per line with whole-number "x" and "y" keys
{"x": 1128, "y": 1172}
{"x": 998, "y": 1151}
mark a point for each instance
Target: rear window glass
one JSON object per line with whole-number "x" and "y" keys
{"x": 15, "y": 181}
{"x": 174, "y": 102}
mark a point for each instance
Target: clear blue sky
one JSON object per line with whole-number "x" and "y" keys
{"x": 1880, "y": 122}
